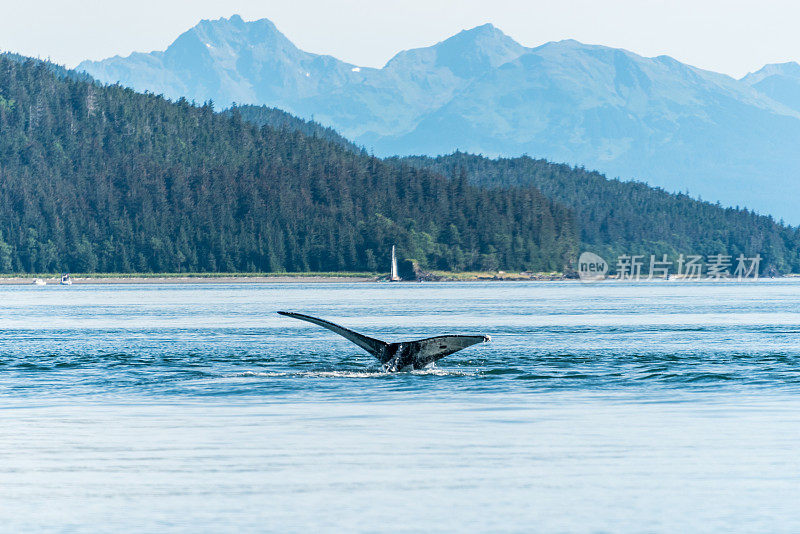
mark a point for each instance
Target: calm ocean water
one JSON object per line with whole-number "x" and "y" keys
{"x": 614, "y": 407}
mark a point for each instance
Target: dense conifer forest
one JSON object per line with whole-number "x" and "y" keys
{"x": 103, "y": 179}
{"x": 616, "y": 217}
{"x": 280, "y": 120}
{"x": 613, "y": 217}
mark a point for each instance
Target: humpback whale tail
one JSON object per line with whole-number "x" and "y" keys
{"x": 396, "y": 356}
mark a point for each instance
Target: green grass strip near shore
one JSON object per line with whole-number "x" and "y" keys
{"x": 435, "y": 276}
{"x": 476, "y": 276}
{"x": 444, "y": 276}
{"x": 46, "y": 276}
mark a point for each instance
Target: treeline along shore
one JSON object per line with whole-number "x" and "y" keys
{"x": 103, "y": 179}
{"x": 100, "y": 178}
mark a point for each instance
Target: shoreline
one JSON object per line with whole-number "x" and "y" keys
{"x": 232, "y": 279}
{"x": 323, "y": 278}
{"x": 267, "y": 278}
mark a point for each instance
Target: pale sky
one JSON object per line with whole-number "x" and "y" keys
{"x": 730, "y": 36}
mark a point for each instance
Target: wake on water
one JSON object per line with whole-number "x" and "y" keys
{"x": 428, "y": 371}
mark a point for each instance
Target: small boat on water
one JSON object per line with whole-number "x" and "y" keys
{"x": 66, "y": 280}
{"x": 39, "y": 282}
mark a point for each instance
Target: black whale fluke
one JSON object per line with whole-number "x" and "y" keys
{"x": 396, "y": 356}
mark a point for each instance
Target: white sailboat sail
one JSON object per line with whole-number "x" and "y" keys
{"x": 393, "y": 276}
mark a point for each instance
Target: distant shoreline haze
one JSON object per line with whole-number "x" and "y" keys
{"x": 652, "y": 119}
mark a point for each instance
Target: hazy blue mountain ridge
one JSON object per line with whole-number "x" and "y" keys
{"x": 654, "y": 119}
{"x": 781, "y": 82}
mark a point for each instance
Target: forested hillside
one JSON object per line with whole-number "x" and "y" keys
{"x": 97, "y": 178}
{"x": 58, "y": 70}
{"x": 105, "y": 179}
{"x": 280, "y": 120}
{"x": 616, "y": 217}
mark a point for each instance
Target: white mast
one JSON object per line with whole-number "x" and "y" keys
{"x": 393, "y": 276}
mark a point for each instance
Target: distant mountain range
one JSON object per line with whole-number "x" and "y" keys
{"x": 654, "y": 119}
{"x": 781, "y": 82}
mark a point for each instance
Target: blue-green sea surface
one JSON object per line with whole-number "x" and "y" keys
{"x": 640, "y": 407}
